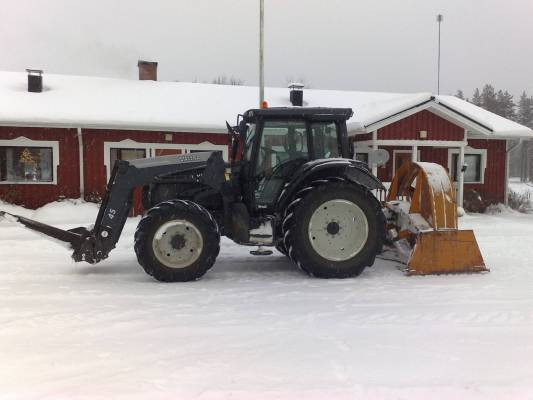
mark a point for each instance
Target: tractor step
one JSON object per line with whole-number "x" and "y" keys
{"x": 261, "y": 251}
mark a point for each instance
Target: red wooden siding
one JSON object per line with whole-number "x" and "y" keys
{"x": 362, "y": 137}
{"x": 408, "y": 128}
{"x": 37, "y": 195}
{"x": 437, "y": 128}
{"x": 493, "y": 188}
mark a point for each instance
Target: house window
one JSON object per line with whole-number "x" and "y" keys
{"x": 25, "y": 164}
{"x": 475, "y": 161}
{"x": 126, "y": 154}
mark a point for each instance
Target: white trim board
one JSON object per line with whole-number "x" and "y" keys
{"x": 22, "y": 141}
{"x": 410, "y": 143}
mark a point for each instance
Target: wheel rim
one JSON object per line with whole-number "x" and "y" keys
{"x": 338, "y": 230}
{"x": 177, "y": 244}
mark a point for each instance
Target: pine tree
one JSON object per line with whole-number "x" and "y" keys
{"x": 506, "y": 105}
{"x": 488, "y": 99}
{"x": 525, "y": 117}
{"x": 460, "y": 94}
{"x": 525, "y": 110}
{"x": 476, "y": 98}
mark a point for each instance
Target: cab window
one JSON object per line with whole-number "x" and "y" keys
{"x": 325, "y": 140}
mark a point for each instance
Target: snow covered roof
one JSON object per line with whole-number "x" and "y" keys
{"x": 77, "y": 101}
{"x": 498, "y": 126}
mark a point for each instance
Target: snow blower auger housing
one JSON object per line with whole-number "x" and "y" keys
{"x": 422, "y": 215}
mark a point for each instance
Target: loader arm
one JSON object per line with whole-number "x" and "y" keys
{"x": 94, "y": 245}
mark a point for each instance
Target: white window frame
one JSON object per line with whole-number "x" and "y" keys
{"x": 469, "y": 150}
{"x": 150, "y": 148}
{"x": 22, "y": 141}
{"x": 363, "y": 150}
{"x": 394, "y": 152}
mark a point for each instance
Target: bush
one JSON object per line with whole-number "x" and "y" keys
{"x": 520, "y": 201}
{"x": 473, "y": 202}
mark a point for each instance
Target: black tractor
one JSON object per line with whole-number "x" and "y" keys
{"x": 291, "y": 183}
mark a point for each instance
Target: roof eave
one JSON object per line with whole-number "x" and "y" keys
{"x": 125, "y": 126}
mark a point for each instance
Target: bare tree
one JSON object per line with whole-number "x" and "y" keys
{"x": 224, "y": 80}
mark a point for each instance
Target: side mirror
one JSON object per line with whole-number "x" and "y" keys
{"x": 231, "y": 131}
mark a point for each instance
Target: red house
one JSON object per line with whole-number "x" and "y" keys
{"x": 60, "y": 135}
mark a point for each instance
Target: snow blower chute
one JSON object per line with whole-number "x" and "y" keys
{"x": 422, "y": 214}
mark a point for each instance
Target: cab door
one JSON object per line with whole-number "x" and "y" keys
{"x": 281, "y": 149}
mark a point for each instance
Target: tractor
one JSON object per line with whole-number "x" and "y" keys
{"x": 291, "y": 183}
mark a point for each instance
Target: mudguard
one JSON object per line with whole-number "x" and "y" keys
{"x": 352, "y": 170}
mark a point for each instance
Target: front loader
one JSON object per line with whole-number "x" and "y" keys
{"x": 292, "y": 183}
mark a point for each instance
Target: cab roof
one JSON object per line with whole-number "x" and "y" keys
{"x": 317, "y": 113}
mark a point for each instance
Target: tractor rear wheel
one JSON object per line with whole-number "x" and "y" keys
{"x": 335, "y": 230}
{"x": 177, "y": 241}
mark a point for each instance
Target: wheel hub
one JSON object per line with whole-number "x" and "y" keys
{"x": 338, "y": 230}
{"x": 333, "y": 228}
{"x": 177, "y": 244}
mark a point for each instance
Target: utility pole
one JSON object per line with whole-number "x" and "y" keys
{"x": 439, "y": 20}
{"x": 261, "y": 48}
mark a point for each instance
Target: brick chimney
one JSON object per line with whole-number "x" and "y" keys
{"x": 147, "y": 70}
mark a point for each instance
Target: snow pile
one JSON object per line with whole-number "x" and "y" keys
{"x": 69, "y": 211}
{"x": 499, "y": 208}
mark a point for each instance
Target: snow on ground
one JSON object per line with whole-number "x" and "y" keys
{"x": 256, "y": 327}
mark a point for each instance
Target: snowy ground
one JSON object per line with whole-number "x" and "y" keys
{"x": 257, "y": 328}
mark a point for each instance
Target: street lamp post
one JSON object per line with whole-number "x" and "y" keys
{"x": 261, "y": 55}
{"x": 439, "y": 20}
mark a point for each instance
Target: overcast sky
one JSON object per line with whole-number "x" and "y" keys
{"x": 388, "y": 45}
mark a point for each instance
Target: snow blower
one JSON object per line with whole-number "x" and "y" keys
{"x": 422, "y": 223}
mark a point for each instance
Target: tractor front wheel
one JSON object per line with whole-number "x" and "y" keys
{"x": 335, "y": 230}
{"x": 177, "y": 241}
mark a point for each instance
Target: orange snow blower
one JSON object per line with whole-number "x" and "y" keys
{"x": 422, "y": 215}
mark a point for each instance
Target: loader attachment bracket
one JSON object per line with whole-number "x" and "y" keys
{"x": 75, "y": 237}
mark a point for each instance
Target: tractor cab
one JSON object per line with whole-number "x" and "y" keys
{"x": 271, "y": 144}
